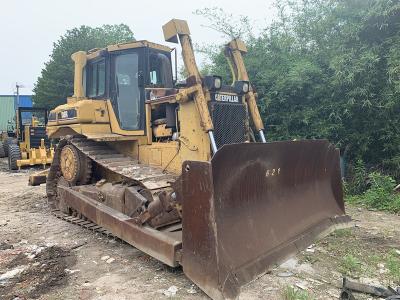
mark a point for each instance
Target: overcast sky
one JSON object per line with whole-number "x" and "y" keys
{"x": 29, "y": 28}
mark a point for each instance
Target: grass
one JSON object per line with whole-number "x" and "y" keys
{"x": 342, "y": 233}
{"x": 350, "y": 265}
{"x": 393, "y": 265}
{"x": 290, "y": 293}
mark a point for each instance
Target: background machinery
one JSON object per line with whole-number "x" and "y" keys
{"x": 173, "y": 169}
{"x": 8, "y": 137}
{"x": 30, "y": 145}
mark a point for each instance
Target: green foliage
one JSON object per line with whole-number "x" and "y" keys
{"x": 358, "y": 179}
{"x": 393, "y": 265}
{"x": 343, "y": 233}
{"x": 379, "y": 195}
{"x": 350, "y": 265}
{"x": 55, "y": 83}
{"x": 328, "y": 69}
{"x": 290, "y": 293}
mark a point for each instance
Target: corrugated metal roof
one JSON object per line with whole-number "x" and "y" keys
{"x": 7, "y": 111}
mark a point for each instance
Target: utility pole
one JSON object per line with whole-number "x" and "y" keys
{"x": 18, "y": 86}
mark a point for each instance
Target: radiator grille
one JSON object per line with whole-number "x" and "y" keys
{"x": 38, "y": 133}
{"x": 230, "y": 122}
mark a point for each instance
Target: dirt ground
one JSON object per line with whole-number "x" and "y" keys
{"x": 42, "y": 257}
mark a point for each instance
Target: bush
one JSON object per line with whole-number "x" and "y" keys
{"x": 379, "y": 195}
{"x": 358, "y": 179}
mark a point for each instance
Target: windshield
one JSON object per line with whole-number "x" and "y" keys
{"x": 38, "y": 116}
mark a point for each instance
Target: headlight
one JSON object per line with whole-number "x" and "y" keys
{"x": 241, "y": 87}
{"x": 217, "y": 82}
{"x": 212, "y": 82}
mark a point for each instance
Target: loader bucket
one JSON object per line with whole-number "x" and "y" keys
{"x": 253, "y": 206}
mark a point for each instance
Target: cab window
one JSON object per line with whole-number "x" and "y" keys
{"x": 127, "y": 91}
{"x": 160, "y": 71}
{"x": 96, "y": 79}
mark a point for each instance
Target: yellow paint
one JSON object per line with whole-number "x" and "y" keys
{"x": 79, "y": 59}
{"x": 161, "y": 131}
{"x": 234, "y": 51}
{"x": 34, "y": 156}
{"x": 92, "y": 54}
{"x": 115, "y": 128}
{"x": 97, "y": 119}
{"x": 164, "y": 155}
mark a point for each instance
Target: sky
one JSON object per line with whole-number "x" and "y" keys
{"x": 29, "y": 28}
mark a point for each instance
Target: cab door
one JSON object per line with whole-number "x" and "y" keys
{"x": 127, "y": 89}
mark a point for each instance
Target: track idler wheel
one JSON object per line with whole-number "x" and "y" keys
{"x": 75, "y": 167}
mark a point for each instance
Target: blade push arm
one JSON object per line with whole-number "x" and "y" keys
{"x": 180, "y": 28}
{"x": 234, "y": 52}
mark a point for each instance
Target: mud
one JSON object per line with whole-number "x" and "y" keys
{"x": 35, "y": 271}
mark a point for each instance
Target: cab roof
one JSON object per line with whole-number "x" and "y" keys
{"x": 93, "y": 53}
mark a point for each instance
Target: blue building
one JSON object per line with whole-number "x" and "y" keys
{"x": 8, "y": 105}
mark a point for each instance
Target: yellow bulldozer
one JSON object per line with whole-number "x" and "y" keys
{"x": 30, "y": 145}
{"x": 173, "y": 168}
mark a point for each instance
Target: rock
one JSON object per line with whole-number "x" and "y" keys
{"x": 383, "y": 271}
{"x": 397, "y": 251}
{"x": 72, "y": 271}
{"x": 291, "y": 263}
{"x": 10, "y": 274}
{"x": 301, "y": 285}
{"x": 105, "y": 257}
{"x": 171, "y": 291}
{"x": 285, "y": 274}
{"x": 110, "y": 260}
{"x": 192, "y": 290}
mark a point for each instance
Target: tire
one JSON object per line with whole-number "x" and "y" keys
{"x": 14, "y": 154}
{"x": 6, "y": 142}
{"x": 2, "y": 152}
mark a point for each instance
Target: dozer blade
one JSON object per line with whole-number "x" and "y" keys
{"x": 253, "y": 206}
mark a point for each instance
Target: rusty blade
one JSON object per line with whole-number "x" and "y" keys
{"x": 253, "y": 206}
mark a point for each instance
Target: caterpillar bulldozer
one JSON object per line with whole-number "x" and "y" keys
{"x": 30, "y": 145}
{"x": 174, "y": 169}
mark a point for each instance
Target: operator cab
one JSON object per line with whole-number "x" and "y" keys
{"x": 128, "y": 76}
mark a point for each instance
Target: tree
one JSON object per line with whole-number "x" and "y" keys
{"x": 55, "y": 83}
{"x": 330, "y": 69}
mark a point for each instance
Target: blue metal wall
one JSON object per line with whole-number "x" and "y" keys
{"x": 8, "y": 105}
{"x": 24, "y": 101}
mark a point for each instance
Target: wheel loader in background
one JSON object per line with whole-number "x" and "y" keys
{"x": 8, "y": 137}
{"x": 171, "y": 168}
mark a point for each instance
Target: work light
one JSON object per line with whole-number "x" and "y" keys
{"x": 212, "y": 82}
{"x": 241, "y": 87}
